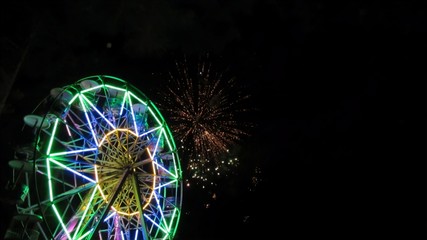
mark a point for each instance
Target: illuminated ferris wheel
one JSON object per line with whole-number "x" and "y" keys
{"x": 103, "y": 165}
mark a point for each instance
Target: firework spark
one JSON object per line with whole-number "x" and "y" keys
{"x": 203, "y": 108}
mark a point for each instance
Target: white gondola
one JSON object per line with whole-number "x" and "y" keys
{"x": 21, "y": 165}
{"x": 17, "y": 189}
{"x": 59, "y": 93}
{"x": 23, "y": 226}
{"x": 25, "y": 152}
{"x": 36, "y": 121}
{"x": 166, "y": 156}
{"x": 139, "y": 108}
{"x": 88, "y": 84}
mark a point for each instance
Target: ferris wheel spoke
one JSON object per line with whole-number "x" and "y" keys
{"x": 152, "y": 130}
{"x": 101, "y": 117}
{"x": 132, "y": 113}
{"x": 171, "y": 183}
{"x": 75, "y": 170}
{"x": 139, "y": 202}
{"x": 65, "y": 196}
{"x": 156, "y": 224}
{"x": 75, "y": 221}
{"x": 54, "y": 178}
{"x": 73, "y": 138}
{"x": 142, "y": 162}
{"x": 82, "y": 224}
{"x": 164, "y": 172}
{"x": 89, "y": 122}
{"x": 110, "y": 201}
{"x": 74, "y": 152}
{"x": 160, "y": 208}
{"x": 77, "y": 122}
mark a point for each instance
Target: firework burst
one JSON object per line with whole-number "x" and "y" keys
{"x": 203, "y": 108}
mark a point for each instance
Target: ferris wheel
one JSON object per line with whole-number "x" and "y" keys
{"x": 102, "y": 164}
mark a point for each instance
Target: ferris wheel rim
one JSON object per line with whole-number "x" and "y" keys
{"x": 56, "y": 121}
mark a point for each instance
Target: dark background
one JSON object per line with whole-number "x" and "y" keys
{"x": 339, "y": 88}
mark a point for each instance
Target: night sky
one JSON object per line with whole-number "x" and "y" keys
{"x": 339, "y": 93}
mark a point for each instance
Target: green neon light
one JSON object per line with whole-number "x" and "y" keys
{"x": 90, "y": 89}
{"x": 158, "y": 112}
{"x": 165, "y": 223}
{"x": 175, "y": 169}
{"x": 82, "y": 103}
{"x": 176, "y": 222}
{"x": 60, "y": 221}
{"x": 52, "y": 137}
{"x": 167, "y": 139}
{"x": 133, "y": 114}
{"x": 84, "y": 235}
{"x": 173, "y": 216}
{"x": 123, "y": 103}
{"x": 72, "y": 99}
{"x": 85, "y": 212}
{"x": 170, "y": 136}
{"x": 49, "y": 177}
